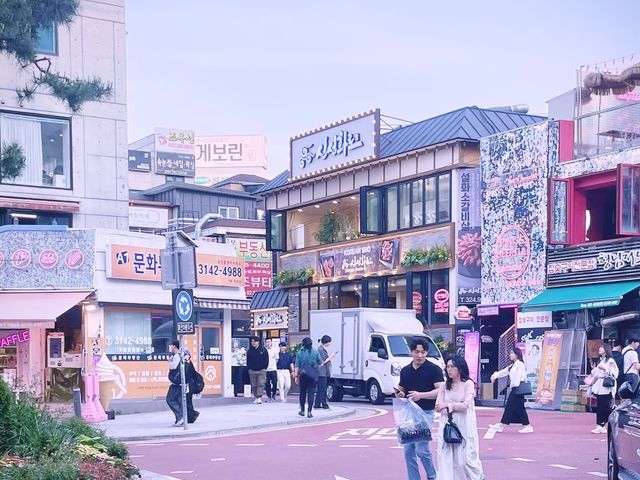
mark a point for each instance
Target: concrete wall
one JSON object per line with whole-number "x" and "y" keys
{"x": 92, "y": 45}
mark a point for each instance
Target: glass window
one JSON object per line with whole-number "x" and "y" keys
{"x": 323, "y": 301}
{"x": 210, "y": 342}
{"x": 405, "y": 205}
{"x": 229, "y": 212}
{"x": 276, "y": 229}
{"x": 46, "y": 41}
{"x": 371, "y": 210}
{"x": 629, "y": 199}
{"x": 377, "y": 343}
{"x": 430, "y": 200}
{"x": 439, "y": 297}
{"x": 399, "y": 345}
{"x": 313, "y": 298}
{"x": 417, "y": 296}
{"x": 46, "y": 146}
{"x": 350, "y": 294}
{"x": 559, "y": 211}
{"x": 304, "y": 309}
{"x": 417, "y": 206}
{"x": 391, "y": 201}
{"x": 396, "y": 292}
{"x": 373, "y": 292}
{"x": 444, "y": 198}
{"x": 334, "y": 295}
{"x": 128, "y": 332}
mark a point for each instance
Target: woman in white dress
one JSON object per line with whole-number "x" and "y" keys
{"x": 459, "y": 461}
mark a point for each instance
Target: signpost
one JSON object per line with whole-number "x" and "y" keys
{"x": 179, "y": 276}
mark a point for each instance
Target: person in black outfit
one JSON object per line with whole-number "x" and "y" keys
{"x": 190, "y": 378}
{"x": 174, "y": 395}
{"x": 257, "y": 363}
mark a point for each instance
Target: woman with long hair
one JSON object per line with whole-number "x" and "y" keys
{"x": 306, "y": 374}
{"x": 605, "y": 368}
{"x": 514, "y": 410}
{"x": 456, "y": 397}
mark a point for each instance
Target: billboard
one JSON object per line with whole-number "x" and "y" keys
{"x": 222, "y": 156}
{"x": 175, "y": 152}
{"x": 468, "y": 223}
{"x": 139, "y": 161}
{"x": 257, "y": 260}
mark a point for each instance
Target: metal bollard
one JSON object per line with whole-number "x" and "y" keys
{"x": 77, "y": 402}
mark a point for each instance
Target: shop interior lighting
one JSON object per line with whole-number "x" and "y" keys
{"x": 353, "y": 197}
{"x": 300, "y": 210}
{"x": 335, "y": 202}
{"x": 24, "y": 215}
{"x": 317, "y": 206}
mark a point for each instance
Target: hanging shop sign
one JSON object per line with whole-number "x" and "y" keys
{"x": 258, "y": 268}
{"x": 59, "y": 259}
{"x": 360, "y": 259}
{"x": 139, "y": 161}
{"x": 469, "y": 237}
{"x": 441, "y": 301}
{"x": 488, "y": 310}
{"x": 598, "y": 263}
{"x": 529, "y": 320}
{"x": 141, "y": 263}
{"x": 148, "y": 217}
{"x": 335, "y": 146}
{"x": 270, "y": 320}
{"x": 16, "y": 338}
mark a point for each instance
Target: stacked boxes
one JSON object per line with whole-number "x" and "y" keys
{"x": 572, "y": 401}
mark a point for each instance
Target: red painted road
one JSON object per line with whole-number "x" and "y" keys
{"x": 561, "y": 448}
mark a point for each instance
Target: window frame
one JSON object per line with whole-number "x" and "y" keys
{"x": 282, "y": 247}
{"x": 227, "y": 208}
{"x": 568, "y": 210}
{"x": 365, "y": 193}
{"x": 620, "y": 199}
{"x": 55, "y": 51}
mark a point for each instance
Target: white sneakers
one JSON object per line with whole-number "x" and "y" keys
{"x": 599, "y": 429}
{"x": 496, "y": 426}
{"x": 526, "y": 429}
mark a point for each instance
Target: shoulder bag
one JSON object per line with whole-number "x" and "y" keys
{"x": 451, "y": 433}
{"x": 523, "y": 389}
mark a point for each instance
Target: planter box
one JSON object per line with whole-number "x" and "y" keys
{"x": 428, "y": 266}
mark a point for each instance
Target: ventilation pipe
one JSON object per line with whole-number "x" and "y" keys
{"x": 622, "y": 317}
{"x": 205, "y": 218}
{"x": 518, "y": 108}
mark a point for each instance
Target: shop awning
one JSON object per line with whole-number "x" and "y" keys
{"x": 278, "y": 298}
{"x": 580, "y": 297}
{"x": 215, "y": 303}
{"x": 36, "y": 309}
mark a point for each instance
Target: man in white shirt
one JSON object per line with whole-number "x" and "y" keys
{"x": 631, "y": 363}
{"x": 174, "y": 395}
{"x": 272, "y": 370}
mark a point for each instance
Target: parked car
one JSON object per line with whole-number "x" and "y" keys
{"x": 623, "y": 459}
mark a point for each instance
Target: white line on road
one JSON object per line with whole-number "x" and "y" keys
{"x": 194, "y": 444}
{"x": 249, "y": 444}
{"x": 355, "y": 446}
{"x": 182, "y": 471}
{"x": 563, "y": 467}
{"x": 597, "y": 474}
{"x": 301, "y": 445}
{"x": 218, "y": 459}
{"x": 398, "y": 446}
{"x": 136, "y": 456}
{"x": 490, "y": 434}
{"x": 518, "y": 459}
{"x": 150, "y": 444}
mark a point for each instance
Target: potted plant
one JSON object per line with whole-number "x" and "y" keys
{"x": 286, "y": 277}
{"x": 432, "y": 257}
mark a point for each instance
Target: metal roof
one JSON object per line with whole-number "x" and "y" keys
{"x": 277, "y": 298}
{"x": 465, "y": 124}
{"x": 165, "y": 187}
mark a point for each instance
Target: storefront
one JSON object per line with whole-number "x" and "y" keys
{"x": 46, "y": 275}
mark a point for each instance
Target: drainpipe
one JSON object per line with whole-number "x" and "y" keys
{"x": 205, "y": 218}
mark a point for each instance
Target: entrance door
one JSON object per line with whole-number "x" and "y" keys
{"x": 211, "y": 358}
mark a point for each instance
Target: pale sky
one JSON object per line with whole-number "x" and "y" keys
{"x": 279, "y": 68}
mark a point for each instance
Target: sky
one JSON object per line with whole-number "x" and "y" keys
{"x": 279, "y": 68}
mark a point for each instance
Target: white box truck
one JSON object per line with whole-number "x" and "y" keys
{"x": 372, "y": 345}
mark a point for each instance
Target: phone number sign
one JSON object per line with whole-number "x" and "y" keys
{"x": 141, "y": 263}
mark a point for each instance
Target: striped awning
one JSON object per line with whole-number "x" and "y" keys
{"x": 220, "y": 303}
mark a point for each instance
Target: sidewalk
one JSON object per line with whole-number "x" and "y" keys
{"x": 242, "y": 416}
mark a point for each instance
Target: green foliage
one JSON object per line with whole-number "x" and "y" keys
{"x": 426, "y": 256}
{"x": 19, "y": 24}
{"x": 444, "y": 346}
{"x": 336, "y": 227}
{"x": 294, "y": 276}
{"x": 48, "y": 468}
{"x": 12, "y": 161}
{"x": 6, "y": 402}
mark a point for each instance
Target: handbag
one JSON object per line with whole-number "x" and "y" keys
{"x": 451, "y": 433}
{"x": 523, "y": 389}
{"x": 608, "y": 382}
{"x": 174, "y": 376}
{"x": 310, "y": 371}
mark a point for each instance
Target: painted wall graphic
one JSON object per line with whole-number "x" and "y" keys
{"x": 469, "y": 237}
{"x": 515, "y": 168}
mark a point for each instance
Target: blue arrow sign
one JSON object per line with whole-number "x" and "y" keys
{"x": 184, "y": 306}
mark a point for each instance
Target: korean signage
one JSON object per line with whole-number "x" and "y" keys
{"x": 258, "y": 271}
{"x": 606, "y": 262}
{"x": 441, "y": 301}
{"x": 182, "y": 300}
{"x": 469, "y": 237}
{"x": 175, "y": 152}
{"x": 362, "y": 258}
{"x": 220, "y": 157}
{"x": 139, "y": 161}
{"x": 59, "y": 259}
{"x": 142, "y": 263}
{"x": 529, "y": 320}
{"x": 472, "y": 354}
{"x": 272, "y": 319}
{"x": 549, "y": 366}
{"x": 348, "y": 142}
{"x": 148, "y": 217}
{"x": 515, "y": 168}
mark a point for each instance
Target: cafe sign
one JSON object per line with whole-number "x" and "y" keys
{"x": 359, "y": 259}
{"x": 270, "y": 320}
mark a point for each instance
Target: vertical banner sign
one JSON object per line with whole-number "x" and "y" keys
{"x": 549, "y": 365}
{"x": 472, "y": 354}
{"x": 257, "y": 260}
{"x": 469, "y": 237}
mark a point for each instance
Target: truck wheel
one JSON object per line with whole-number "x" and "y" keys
{"x": 375, "y": 393}
{"x": 334, "y": 392}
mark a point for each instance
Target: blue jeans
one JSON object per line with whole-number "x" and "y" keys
{"x": 421, "y": 451}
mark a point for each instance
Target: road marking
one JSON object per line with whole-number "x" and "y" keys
{"x": 518, "y": 459}
{"x": 563, "y": 467}
{"x": 398, "y": 446}
{"x": 218, "y": 459}
{"x": 136, "y": 456}
{"x": 182, "y": 471}
{"x": 355, "y": 446}
{"x": 490, "y": 434}
{"x": 301, "y": 445}
{"x": 597, "y": 474}
{"x": 249, "y": 444}
{"x": 150, "y": 444}
{"x": 194, "y": 444}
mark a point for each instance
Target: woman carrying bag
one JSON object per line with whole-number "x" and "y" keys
{"x": 458, "y": 461}
{"x": 514, "y": 410}
{"x": 306, "y": 374}
{"x": 604, "y": 374}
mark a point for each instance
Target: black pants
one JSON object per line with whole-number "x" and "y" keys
{"x": 514, "y": 411}
{"x": 307, "y": 391}
{"x": 272, "y": 384}
{"x": 321, "y": 396}
{"x": 191, "y": 412}
{"x": 174, "y": 400}
{"x": 604, "y": 407}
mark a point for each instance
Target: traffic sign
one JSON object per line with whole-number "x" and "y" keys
{"x": 183, "y": 311}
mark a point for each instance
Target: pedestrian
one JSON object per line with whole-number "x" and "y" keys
{"x": 514, "y": 410}
{"x": 174, "y": 395}
{"x": 257, "y": 363}
{"x": 306, "y": 374}
{"x": 190, "y": 380}
{"x": 456, "y": 397}
{"x": 324, "y": 372}
{"x": 272, "y": 375}
{"x": 631, "y": 363}
{"x": 605, "y": 368}
{"x": 285, "y": 369}
{"x": 420, "y": 381}
{"x": 616, "y": 354}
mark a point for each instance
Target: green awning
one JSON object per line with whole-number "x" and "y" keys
{"x": 580, "y": 297}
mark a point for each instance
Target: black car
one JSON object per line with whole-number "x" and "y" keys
{"x": 623, "y": 459}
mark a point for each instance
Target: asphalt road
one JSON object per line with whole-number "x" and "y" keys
{"x": 561, "y": 447}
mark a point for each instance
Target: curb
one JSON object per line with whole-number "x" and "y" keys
{"x": 147, "y": 475}
{"x": 229, "y": 431}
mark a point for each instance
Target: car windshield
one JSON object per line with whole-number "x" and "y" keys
{"x": 399, "y": 345}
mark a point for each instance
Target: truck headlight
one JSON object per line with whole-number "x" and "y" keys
{"x": 395, "y": 369}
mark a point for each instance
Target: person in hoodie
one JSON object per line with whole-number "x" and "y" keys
{"x": 257, "y": 363}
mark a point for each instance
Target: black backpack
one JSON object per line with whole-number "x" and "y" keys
{"x": 198, "y": 383}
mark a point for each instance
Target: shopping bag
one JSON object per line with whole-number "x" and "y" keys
{"x": 412, "y": 424}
